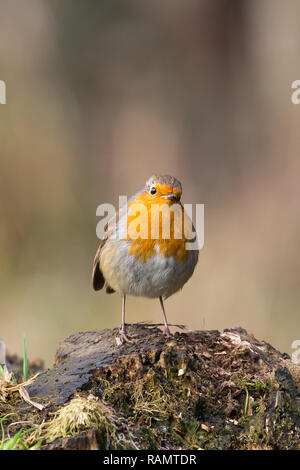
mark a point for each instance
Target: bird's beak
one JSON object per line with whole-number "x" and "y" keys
{"x": 171, "y": 196}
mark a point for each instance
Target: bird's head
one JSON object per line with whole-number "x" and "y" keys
{"x": 163, "y": 189}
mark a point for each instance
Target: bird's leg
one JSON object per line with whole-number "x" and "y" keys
{"x": 166, "y": 328}
{"x": 124, "y": 338}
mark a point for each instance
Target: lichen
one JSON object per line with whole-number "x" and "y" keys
{"x": 81, "y": 414}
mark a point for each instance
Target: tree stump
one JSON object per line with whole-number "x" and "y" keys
{"x": 196, "y": 390}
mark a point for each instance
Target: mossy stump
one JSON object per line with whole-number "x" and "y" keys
{"x": 196, "y": 390}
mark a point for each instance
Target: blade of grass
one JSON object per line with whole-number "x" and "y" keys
{"x": 11, "y": 443}
{"x": 2, "y": 429}
{"x": 16, "y": 439}
{"x": 2, "y": 434}
{"x": 36, "y": 446}
{"x": 22, "y": 443}
{"x": 14, "y": 378}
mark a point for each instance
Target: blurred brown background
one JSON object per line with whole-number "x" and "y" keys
{"x": 100, "y": 95}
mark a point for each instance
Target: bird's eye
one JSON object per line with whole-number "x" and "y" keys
{"x": 153, "y": 190}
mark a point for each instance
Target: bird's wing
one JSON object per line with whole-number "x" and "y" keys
{"x": 113, "y": 223}
{"x": 97, "y": 276}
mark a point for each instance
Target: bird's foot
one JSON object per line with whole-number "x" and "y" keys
{"x": 124, "y": 338}
{"x": 167, "y": 332}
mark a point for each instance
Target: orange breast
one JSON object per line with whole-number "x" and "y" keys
{"x": 156, "y": 228}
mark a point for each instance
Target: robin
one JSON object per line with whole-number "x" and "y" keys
{"x": 143, "y": 256}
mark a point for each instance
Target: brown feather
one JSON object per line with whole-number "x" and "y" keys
{"x": 108, "y": 289}
{"x": 97, "y": 276}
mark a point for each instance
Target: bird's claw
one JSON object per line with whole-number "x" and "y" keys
{"x": 124, "y": 338}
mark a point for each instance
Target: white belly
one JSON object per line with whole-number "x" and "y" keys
{"x": 159, "y": 276}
